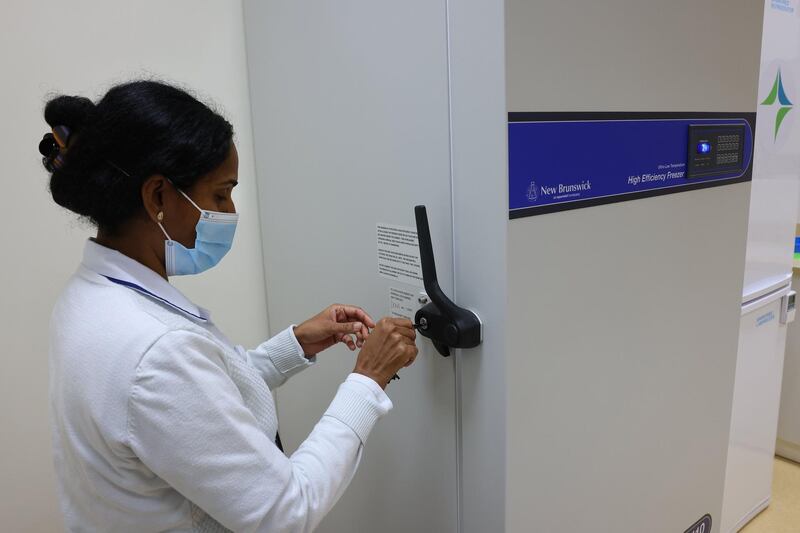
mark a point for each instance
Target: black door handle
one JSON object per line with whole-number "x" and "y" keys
{"x": 441, "y": 320}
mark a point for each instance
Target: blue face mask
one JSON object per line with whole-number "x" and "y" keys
{"x": 214, "y": 238}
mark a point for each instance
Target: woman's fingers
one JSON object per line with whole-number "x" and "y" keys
{"x": 390, "y": 347}
{"x": 346, "y": 328}
{"x": 346, "y": 324}
{"x": 406, "y": 354}
{"x": 347, "y": 340}
{"x": 407, "y": 332}
{"x": 354, "y": 313}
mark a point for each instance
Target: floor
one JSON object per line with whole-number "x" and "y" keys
{"x": 783, "y": 514}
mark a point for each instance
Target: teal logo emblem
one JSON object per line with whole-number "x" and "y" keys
{"x": 777, "y": 96}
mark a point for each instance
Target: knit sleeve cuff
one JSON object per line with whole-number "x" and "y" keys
{"x": 359, "y": 406}
{"x": 286, "y": 353}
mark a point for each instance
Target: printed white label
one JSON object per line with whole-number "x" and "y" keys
{"x": 398, "y": 254}
{"x": 402, "y": 303}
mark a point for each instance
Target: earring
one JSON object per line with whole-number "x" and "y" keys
{"x": 160, "y": 216}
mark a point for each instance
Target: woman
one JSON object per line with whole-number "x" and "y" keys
{"x": 159, "y": 422}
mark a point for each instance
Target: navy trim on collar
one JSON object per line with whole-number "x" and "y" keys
{"x": 137, "y": 288}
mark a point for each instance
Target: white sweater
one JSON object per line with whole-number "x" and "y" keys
{"x": 161, "y": 424}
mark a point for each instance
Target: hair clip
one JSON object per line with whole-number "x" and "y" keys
{"x": 53, "y": 146}
{"x": 51, "y": 152}
{"x": 48, "y": 146}
{"x": 61, "y": 135}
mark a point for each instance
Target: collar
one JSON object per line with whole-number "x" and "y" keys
{"x": 120, "y": 269}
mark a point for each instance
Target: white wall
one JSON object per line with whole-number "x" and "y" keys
{"x": 81, "y": 48}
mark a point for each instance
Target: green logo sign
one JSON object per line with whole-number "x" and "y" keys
{"x": 777, "y": 96}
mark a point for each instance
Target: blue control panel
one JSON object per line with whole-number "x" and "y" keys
{"x": 561, "y": 161}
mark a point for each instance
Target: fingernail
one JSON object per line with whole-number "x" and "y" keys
{"x": 357, "y": 326}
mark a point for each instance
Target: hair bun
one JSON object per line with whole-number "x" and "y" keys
{"x": 71, "y": 111}
{"x": 99, "y": 156}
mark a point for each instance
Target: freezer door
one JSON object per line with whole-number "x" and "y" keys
{"x": 351, "y": 126}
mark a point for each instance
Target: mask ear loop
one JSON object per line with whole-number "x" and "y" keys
{"x": 160, "y": 217}
{"x": 190, "y": 200}
{"x": 185, "y": 195}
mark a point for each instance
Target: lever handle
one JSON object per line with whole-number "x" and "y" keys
{"x": 442, "y": 321}
{"x": 429, "y": 277}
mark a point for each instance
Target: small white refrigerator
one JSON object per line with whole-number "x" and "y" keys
{"x": 788, "y": 444}
{"x": 767, "y": 298}
{"x": 754, "y": 421}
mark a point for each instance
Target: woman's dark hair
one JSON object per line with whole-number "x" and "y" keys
{"x": 136, "y": 130}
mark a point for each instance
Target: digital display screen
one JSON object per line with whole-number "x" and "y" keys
{"x": 716, "y": 149}
{"x": 703, "y": 147}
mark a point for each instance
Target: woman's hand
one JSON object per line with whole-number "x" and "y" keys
{"x": 389, "y": 348}
{"x": 337, "y": 323}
